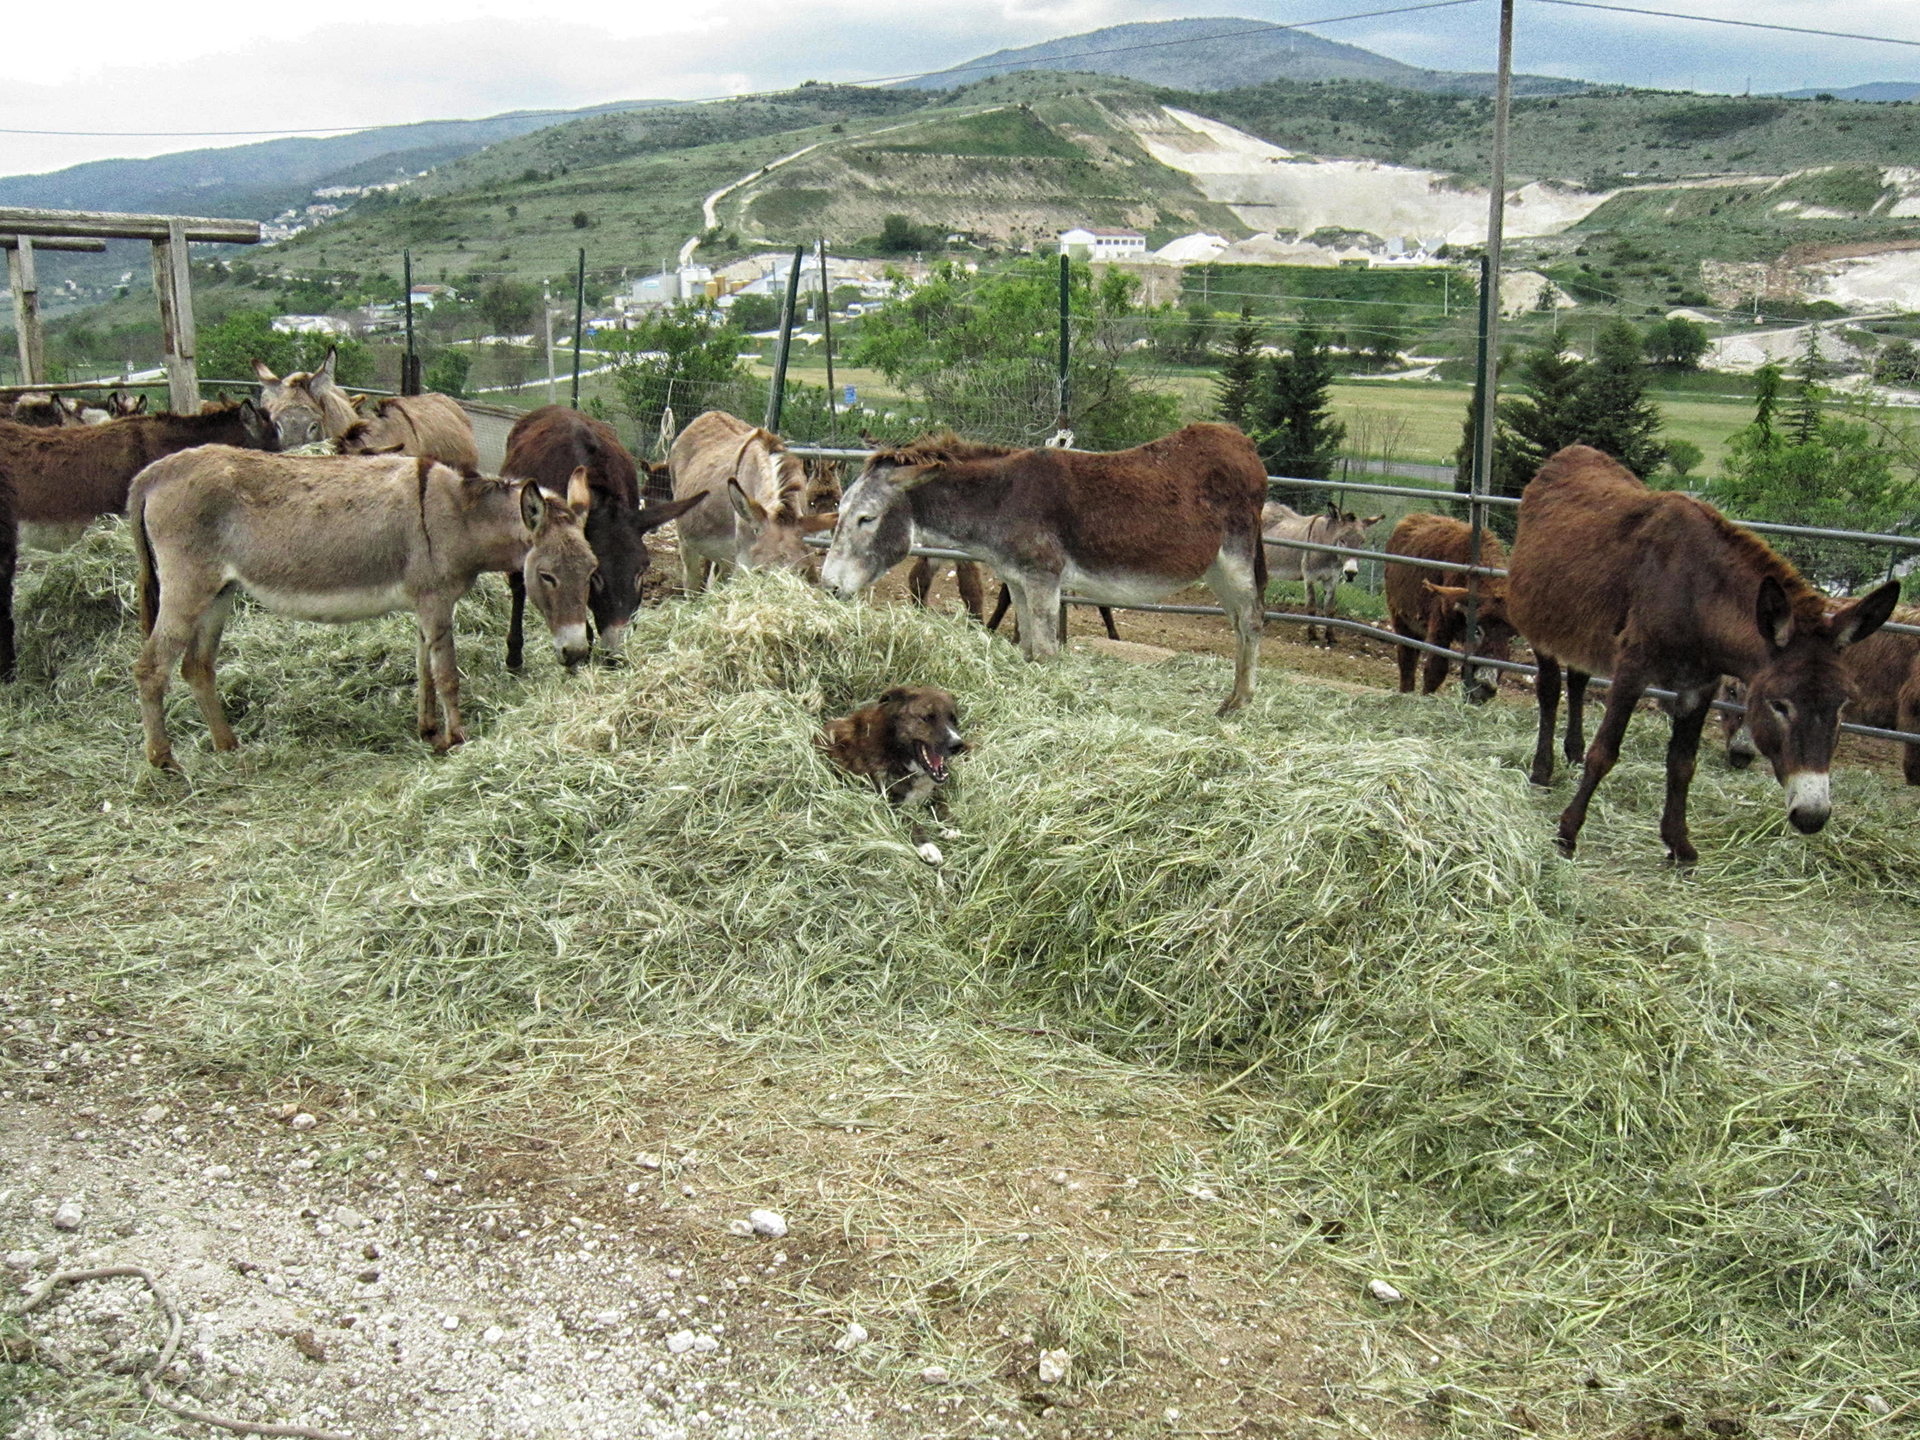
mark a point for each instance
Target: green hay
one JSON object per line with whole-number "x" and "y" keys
{"x": 1650, "y": 1129}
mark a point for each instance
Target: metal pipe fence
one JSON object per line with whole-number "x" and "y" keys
{"x": 1390, "y": 637}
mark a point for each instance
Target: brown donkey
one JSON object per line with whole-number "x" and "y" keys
{"x": 333, "y": 540}
{"x": 764, "y": 524}
{"x": 430, "y": 425}
{"x": 1654, "y": 588}
{"x": 1430, "y": 604}
{"x": 1120, "y": 527}
{"x": 67, "y": 477}
{"x": 305, "y": 406}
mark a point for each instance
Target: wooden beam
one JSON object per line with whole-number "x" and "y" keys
{"x": 110, "y": 225}
{"x": 26, "y": 313}
{"x": 48, "y": 242}
{"x": 173, "y": 284}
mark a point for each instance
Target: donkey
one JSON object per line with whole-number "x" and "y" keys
{"x": 1884, "y": 670}
{"x": 121, "y": 405}
{"x": 334, "y": 540}
{"x": 67, "y": 477}
{"x": 1430, "y": 604}
{"x": 765, "y": 522}
{"x": 548, "y": 445}
{"x": 430, "y": 425}
{"x": 1320, "y": 572}
{"x": 306, "y": 406}
{"x": 1120, "y": 527}
{"x": 1656, "y": 588}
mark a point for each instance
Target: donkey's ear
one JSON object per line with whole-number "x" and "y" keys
{"x": 265, "y": 376}
{"x": 323, "y": 377}
{"x": 533, "y": 505}
{"x": 652, "y": 517}
{"x": 1371, "y": 521}
{"x": 814, "y": 524}
{"x": 742, "y": 505}
{"x": 1865, "y": 616}
{"x": 1453, "y": 593}
{"x": 1773, "y": 613}
{"x": 912, "y": 477}
{"x": 139, "y": 406}
{"x": 579, "y": 492}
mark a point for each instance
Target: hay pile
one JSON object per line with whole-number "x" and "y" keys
{"x": 1584, "y": 1105}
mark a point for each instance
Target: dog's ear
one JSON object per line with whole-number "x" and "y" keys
{"x": 898, "y": 695}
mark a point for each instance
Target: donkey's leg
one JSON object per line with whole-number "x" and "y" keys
{"x": 426, "y": 705}
{"x": 920, "y": 580}
{"x": 1908, "y": 719}
{"x": 1106, "y": 615}
{"x": 1442, "y": 632}
{"x": 966, "y": 579}
{"x": 434, "y": 616}
{"x": 1546, "y": 689}
{"x": 173, "y": 631}
{"x": 1683, "y": 748}
{"x": 517, "y": 621}
{"x": 9, "y": 558}
{"x": 1629, "y": 683}
{"x": 1044, "y": 612}
{"x": 1000, "y": 606}
{"x": 1576, "y": 748}
{"x": 1231, "y": 580}
{"x": 197, "y": 667}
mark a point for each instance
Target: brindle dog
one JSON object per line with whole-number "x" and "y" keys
{"x": 902, "y": 743}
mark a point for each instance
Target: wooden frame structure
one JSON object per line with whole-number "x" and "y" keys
{"x": 24, "y": 282}
{"x": 172, "y": 282}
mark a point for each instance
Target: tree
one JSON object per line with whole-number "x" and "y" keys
{"x": 581, "y": 220}
{"x": 1676, "y": 344}
{"x": 900, "y": 236}
{"x": 509, "y": 307}
{"x": 1612, "y": 411}
{"x": 1293, "y": 421}
{"x": 1897, "y": 364}
{"x": 446, "y": 372}
{"x": 751, "y": 313}
{"x": 684, "y": 357}
{"x": 1233, "y": 391}
{"x": 981, "y": 354}
{"x": 227, "y": 350}
{"x": 1683, "y": 457}
{"x": 1543, "y": 418}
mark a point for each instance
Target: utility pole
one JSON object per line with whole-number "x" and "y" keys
{"x": 777, "y": 398}
{"x": 579, "y": 323}
{"x": 410, "y": 362}
{"x": 826, "y": 331}
{"x": 546, "y": 310}
{"x": 1490, "y": 329}
{"x": 1065, "y": 382}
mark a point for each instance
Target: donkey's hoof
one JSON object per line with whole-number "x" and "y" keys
{"x": 1541, "y": 775}
{"x": 226, "y": 742}
{"x": 163, "y": 760}
{"x": 445, "y": 742}
{"x": 1682, "y": 856}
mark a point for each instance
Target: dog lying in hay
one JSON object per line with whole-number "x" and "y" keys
{"x": 902, "y": 743}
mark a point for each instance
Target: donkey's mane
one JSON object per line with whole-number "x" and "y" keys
{"x": 944, "y": 447}
{"x": 1808, "y": 603}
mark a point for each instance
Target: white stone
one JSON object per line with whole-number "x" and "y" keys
{"x": 348, "y": 1218}
{"x": 153, "y": 1114}
{"x": 493, "y": 1335}
{"x": 68, "y": 1216}
{"x": 304, "y": 1121}
{"x": 680, "y": 1342}
{"x": 935, "y": 1375}
{"x": 856, "y": 1335}
{"x": 1384, "y": 1293}
{"x": 647, "y": 1162}
{"x": 1054, "y": 1365}
{"x": 21, "y": 1259}
{"x": 740, "y": 1227}
{"x": 704, "y": 1343}
{"x": 767, "y": 1222}
{"x": 218, "y": 1172}
{"x": 449, "y": 1322}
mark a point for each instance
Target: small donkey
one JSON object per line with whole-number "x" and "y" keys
{"x": 339, "y": 539}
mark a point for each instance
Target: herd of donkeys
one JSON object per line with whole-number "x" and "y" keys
{"x": 326, "y": 508}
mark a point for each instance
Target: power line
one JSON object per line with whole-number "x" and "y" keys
{"x": 768, "y": 94}
{"x": 1743, "y": 24}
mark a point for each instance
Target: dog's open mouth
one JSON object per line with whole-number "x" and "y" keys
{"x": 934, "y": 764}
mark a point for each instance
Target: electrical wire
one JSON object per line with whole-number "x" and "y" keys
{"x": 1743, "y": 24}
{"x": 768, "y": 94}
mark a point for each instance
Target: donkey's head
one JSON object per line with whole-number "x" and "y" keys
{"x": 1349, "y": 531}
{"x": 560, "y": 570}
{"x": 1496, "y": 630}
{"x": 875, "y": 525}
{"x": 774, "y": 539}
{"x": 1794, "y": 699}
{"x": 618, "y": 534}
{"x": 305, "y": 406}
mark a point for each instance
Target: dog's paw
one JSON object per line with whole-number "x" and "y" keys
{"x": 930, "y": 853}
{"x": 947, "y": 832}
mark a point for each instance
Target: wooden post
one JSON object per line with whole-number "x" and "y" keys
{"x": 579, "y": 324}
{"x": 777, "y": 396}
{"x": 26, "y": 311}
{"x": 826, "y": 329}
{"x": 173, "y": 283}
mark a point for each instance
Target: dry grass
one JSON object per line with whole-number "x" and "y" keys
{"x": 1633, "y": 1143}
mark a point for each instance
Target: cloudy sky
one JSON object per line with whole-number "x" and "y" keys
{"x": 197, "y": 66}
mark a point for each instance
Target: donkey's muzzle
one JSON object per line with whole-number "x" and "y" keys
{"x": 1809, "y": 803}
{"x": 572, "y": 644}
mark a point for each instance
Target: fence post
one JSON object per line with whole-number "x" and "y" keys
{"x": 1066, "y": 385}
{"x": 778, "y": 397}
{"x": 826, "y": 329}
{"x": 26, "y": 310}
{"x": 409, "y": 362}
{"x": 579, "y": 323}
{"x": 1490, "y": 333}
{"x": 173, "y": 282}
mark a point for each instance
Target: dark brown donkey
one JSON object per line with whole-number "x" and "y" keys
{"x": 336, "y": 539}
{"x": 1430, "y": 604}
{"x": 1121, "y": 527}
{"x": 548, "y": 445}
{"x": 71, "y": 476}
{"x": 1884, "y": 670}
{"x": 1654, "y": 588}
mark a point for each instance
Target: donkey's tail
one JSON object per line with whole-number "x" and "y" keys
{"x": 149, "y": 576}
{"x": 1260, "y": 569}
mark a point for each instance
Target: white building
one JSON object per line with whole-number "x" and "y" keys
{"x": 1096, "y": 243}
{"x": 311, "y": 325}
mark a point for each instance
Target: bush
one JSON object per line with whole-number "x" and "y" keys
{"x": 228, "y": 350}
{"x": 446, "y": 372}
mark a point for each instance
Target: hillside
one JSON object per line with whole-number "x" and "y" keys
{"x": 1221, "y": 53}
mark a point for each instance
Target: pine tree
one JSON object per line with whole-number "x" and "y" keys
{"x": 1293, "y": 423}
{"x": 1806, "y": 396}
{"x": 1238, "y": 383}
{"x": 1612, "y": 412}
{"x": 1766, "y": 389}
{"x": 1543, "y": 418}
